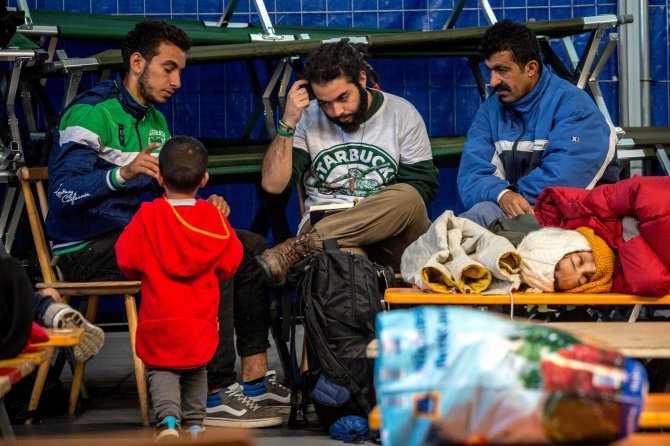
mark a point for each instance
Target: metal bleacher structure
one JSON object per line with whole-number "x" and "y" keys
{"x": 33, "y": 59}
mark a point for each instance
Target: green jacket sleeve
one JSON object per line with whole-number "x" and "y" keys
{"x": 422, "y": 175}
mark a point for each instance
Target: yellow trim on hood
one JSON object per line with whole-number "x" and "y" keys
{"x": 200, "y": 231}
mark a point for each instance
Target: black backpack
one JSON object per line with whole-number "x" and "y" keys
{"x": 340, "y": 294}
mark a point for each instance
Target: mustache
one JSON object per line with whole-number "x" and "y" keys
{"x": 500, "y": 87}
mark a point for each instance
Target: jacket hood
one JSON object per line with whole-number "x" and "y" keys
{"x": 187, "y": 242}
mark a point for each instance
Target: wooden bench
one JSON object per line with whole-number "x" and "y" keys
{"x": 12, "y": 371}
{"x": 415, "y": 296}
{"x": 637, "y": 340}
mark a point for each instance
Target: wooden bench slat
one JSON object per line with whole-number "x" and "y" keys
{"x": 656, "y": 411}
{"x": 62, "y": 337}
{"x": 645, "y": 439}
{"x": 92, "y": 288}
{"x": 415, "y": 296}
{"x": 16, "y": 368}
{"x": 638, "y": 340}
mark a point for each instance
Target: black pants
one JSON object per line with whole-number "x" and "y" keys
{"x": 244, "y": 304}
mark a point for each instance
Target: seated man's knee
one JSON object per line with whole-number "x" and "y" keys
{"x": 407, "y": 197}
{"x": 252, "y": 243}
{"x": 483, "y": 213}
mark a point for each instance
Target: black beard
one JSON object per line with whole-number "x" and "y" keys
{"x": 358, "y": 117}
{"x": 141, "y": 83}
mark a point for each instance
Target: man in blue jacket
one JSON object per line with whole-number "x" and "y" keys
{"x": 537, "y": 130}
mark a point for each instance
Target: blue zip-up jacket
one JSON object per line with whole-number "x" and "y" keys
{"x": 102, "y": 130}
{"x": 553, "y": 136}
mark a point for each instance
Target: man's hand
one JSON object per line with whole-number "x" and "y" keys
{"x": 220, "y": 204}
{"x": 514, "y": 204}
{"x": 297, "y": 100}
{"x": 144, "y": 163}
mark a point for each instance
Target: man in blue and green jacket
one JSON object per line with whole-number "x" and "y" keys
{"x": 104, "y": 157}
{"x": 537, "y": 130}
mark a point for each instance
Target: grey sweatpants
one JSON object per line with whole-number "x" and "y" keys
{"x": 383, "y": 224}
{"x": 181, "y": 393}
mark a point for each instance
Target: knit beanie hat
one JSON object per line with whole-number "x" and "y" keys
{"x": 601, "y": 281}
{"x": 541, "y": 250}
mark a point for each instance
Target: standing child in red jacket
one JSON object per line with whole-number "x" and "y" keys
{"x": 180, "y": 248}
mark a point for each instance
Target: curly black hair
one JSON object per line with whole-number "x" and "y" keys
{"x": 183, "y": 163}
{"x": 516, "y": 38}
{"x": 147, "y": 36}
{"x": 332, "y": 60}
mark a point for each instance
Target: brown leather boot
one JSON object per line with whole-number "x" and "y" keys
{"x": 278, "y": 260}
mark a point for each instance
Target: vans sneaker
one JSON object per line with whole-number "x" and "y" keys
{"x": 269, "y": 393}
{"x": 230, "y": 408}
{"x": 166, "y": 430}
{"x": 94, "y": 337}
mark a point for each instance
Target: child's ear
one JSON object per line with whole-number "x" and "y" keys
{"x": 205, "y": 179}
{"x": 160, "y": 180}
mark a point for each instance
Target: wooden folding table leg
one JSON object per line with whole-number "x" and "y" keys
{"x": 92, "y": 308}
{"x": 77, "y": 378}
{"x": 140, "y": 378}
{"x": 40, "y": 379}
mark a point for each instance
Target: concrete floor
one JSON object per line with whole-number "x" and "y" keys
{"x": 111, "y": 410}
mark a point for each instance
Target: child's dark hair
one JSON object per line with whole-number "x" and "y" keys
{"x": 516, "y": 38}
{"x": 332, "y": 60}
{"x": 147, "y": 36}
{"x": 183, "y": 163}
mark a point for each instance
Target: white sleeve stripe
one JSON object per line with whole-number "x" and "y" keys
{"x": 610, "y": 156}
{"x": 108, "y": 179}
{"x": 500, "y": 169}
{"x": 81, "y": 135}
{"x": 522, "y": 146}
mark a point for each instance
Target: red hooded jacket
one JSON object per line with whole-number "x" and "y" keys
{"x": 179, "y": 253}
{"x": 644, "y": 259}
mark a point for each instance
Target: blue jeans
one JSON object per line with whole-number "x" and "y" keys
{"x": 484, "y": 213}
{"x": 244, "y": 304}
{"x": 41, "y": 304}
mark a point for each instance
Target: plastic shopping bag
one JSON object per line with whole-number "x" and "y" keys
{"x": 451, "y": 375}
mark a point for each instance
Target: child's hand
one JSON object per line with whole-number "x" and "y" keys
{"x": 220, "y": 204}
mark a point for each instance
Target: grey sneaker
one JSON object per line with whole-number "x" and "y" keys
{"x": 230, "y": 408}
{"x": 94, "y": 337}
{"x": 269, "y": 393}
